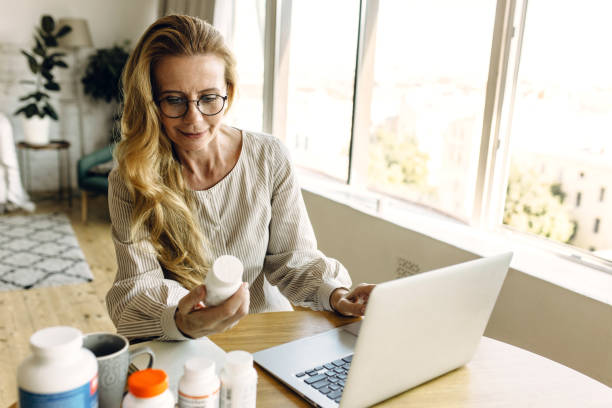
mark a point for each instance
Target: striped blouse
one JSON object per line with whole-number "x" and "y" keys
{"x": 255, "y": 213}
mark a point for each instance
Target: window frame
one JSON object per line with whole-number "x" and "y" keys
{"x": 493, "y": 159}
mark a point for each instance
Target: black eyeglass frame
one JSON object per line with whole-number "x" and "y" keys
{"x": 187, "y": 101}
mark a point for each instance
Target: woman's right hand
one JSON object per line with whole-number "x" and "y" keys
{"x": 195, "y": 320}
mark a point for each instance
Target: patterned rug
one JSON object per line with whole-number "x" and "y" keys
{"x": 40, "y": 250}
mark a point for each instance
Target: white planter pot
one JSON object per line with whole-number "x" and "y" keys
{"x": 36, "y": 130}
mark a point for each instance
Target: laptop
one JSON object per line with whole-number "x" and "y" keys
{"x": 415, "y": 329}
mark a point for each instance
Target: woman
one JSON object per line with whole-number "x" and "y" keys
{"x": 189, "y": 188}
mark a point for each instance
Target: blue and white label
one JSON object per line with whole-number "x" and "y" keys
{"x": 86, "y": 396}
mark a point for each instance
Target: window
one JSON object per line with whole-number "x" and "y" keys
{"x": 323, "y": 40}
{"x": 467, "y": 108}
{"x": 247, "y": 43}
{"x": 425, "y": 116}
{"x": 561, "y": 116}
{"x": 596, "y": 227}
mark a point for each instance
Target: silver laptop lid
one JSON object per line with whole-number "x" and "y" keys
{"x": 420, "y": 327}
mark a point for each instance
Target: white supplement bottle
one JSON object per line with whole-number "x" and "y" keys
{"x": 223, "y": 280}
{"x": 148, "y": 389}
{"x": 199, "y": 386}
{"x": 60, "y": 372}
{"x": 238, "y": 381}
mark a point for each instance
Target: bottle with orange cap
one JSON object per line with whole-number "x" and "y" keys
{"x": 148, "y": 389}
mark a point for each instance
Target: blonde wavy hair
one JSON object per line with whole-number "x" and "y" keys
{"x": 164, "y": 207}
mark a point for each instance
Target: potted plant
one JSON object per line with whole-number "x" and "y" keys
{"x": 38, "y": 110}
{"x": 102, "y": 78}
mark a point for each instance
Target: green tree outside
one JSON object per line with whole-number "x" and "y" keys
{"x": 536, "y": 206}
{"x": 396, "y": 161}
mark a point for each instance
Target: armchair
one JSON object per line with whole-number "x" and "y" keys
{"x": 90, "y": 179}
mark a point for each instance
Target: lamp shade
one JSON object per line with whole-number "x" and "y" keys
{"x": 79, "y": 36}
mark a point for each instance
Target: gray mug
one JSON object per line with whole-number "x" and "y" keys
{"x": 111, "y": 351}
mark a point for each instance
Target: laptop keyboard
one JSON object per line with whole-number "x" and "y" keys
{"x": 328, "y": 378}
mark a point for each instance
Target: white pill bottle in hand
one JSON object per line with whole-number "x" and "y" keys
{"x": 199, "y": 386}
{"x": 223, "y": 280}
{"x": 238, "y": 381}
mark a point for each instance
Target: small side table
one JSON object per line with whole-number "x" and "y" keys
{"x": 63, "y": 165}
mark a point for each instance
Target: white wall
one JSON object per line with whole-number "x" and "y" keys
{"x": 110, "y": 22}
{"x": 530, "y": 313}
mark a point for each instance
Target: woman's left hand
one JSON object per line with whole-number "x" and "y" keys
{"x": 351, "y": 303}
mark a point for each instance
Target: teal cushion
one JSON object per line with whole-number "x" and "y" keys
{"x": 95, "y": 183}
{"x": 102, "y": 169}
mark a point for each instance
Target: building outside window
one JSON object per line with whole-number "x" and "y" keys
{"x": 561, "y": 113}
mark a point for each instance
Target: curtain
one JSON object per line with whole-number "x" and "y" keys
{"x": 200, "y": 8}
{"x": 12, "y": 194}
{"x": 219, "y": 13}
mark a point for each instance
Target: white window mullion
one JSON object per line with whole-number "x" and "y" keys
{"x": 276, "y": 66}
{"x": 269, "y": 64}
{"x": 499, "y": 180}
{"x": 364, "y": 77}
{"x": 500, "y": 50}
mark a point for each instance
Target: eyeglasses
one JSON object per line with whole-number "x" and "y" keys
{"x": 176, "y": 107}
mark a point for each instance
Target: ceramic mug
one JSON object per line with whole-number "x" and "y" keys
{"x": 111, "y": 351}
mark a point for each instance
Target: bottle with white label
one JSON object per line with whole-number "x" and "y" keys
{"x": 223, "y": 279}
{"x": 199, "y": 386}
{"x": 60, "y": 372}
{"x": 238, "y": 381}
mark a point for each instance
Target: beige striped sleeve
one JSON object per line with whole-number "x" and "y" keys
{"x": 293, "y": 263}
{"x": 141, "y": 301}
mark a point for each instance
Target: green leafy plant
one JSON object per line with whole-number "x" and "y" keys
{"x": 41, "y": 62}
{"x": 103, "y": 75}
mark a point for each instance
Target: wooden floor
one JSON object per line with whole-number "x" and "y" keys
{"x": 82, "y": 306}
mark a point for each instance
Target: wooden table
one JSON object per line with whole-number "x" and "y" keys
{"x": 499, "y": 375}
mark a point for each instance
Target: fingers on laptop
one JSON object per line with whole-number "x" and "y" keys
{"x": 350, "y": 308}
{"x": 354, "y": 302}
{"x": 361, "y": 293}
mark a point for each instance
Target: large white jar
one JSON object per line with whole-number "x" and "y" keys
{"x": 60, "y": 372}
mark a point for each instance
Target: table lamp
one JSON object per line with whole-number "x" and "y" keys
{"x": 78, "y": 38}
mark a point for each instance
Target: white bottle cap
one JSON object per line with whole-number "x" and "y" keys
{"x": 227, "y": 270}
{"x": 56, "y": 341}
{"x": 238, "y": 361}
{"x": 199, "y": 367}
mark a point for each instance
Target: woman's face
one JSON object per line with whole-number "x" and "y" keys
{"x": 191, "y": 78}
